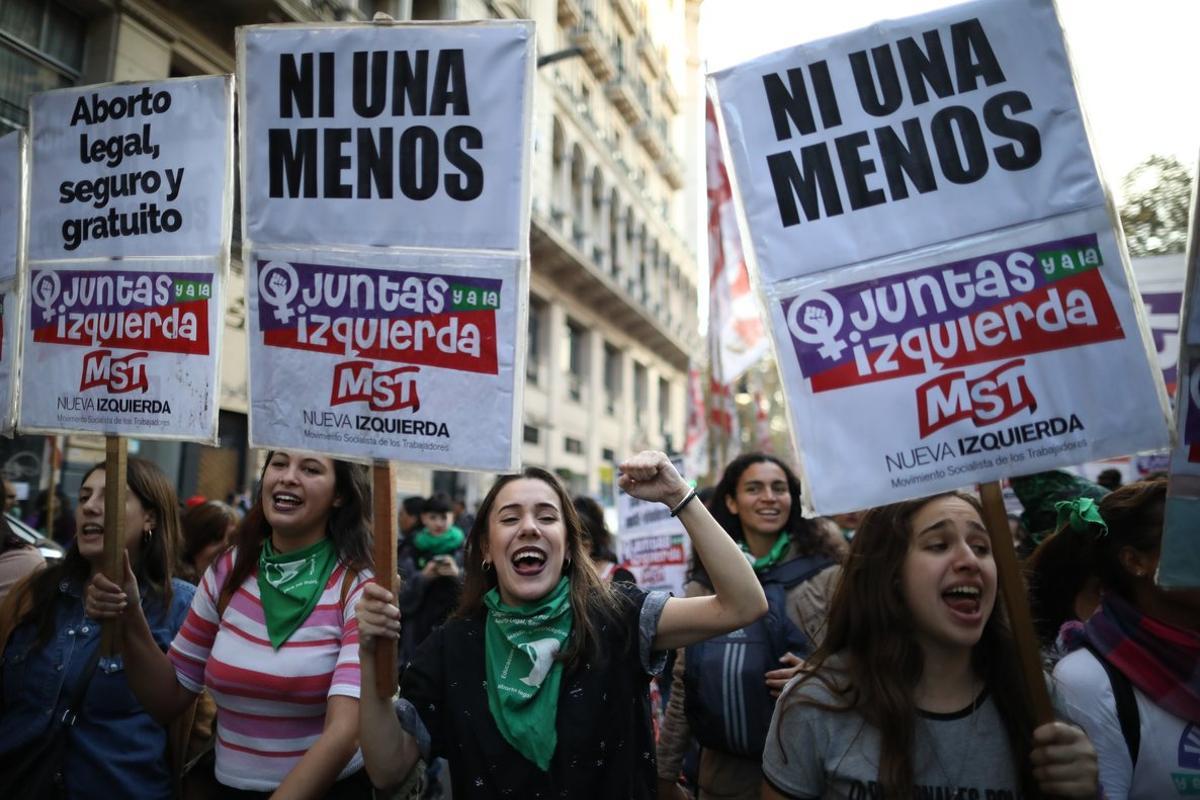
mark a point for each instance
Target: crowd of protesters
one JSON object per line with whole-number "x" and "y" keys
{"x": 863, "y": 656}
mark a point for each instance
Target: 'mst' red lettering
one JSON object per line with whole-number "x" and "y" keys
{"x": 115, "y": 375}
{"x": 382, "y": 390}
{"x": 985, "y": 399}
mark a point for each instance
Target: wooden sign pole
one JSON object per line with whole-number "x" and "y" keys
{"x": 1012, "y": 588}
{"x": 52, "y": 491}
{"x": 114, "y": 532}
{"x": 383, "y": 493}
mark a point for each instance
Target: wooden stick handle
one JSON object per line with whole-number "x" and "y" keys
{"x": 1012, "y": 588}
{"x": 113, "y": 567}
{"x": 383, "y": 495}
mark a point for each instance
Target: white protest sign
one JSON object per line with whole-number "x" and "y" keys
{"x": 131, "y": 169}
{"x": 124, "y": 347}
{"x": 651, "y": 543}
{"x": 131, "y": 189}
{"x": 386, "y": 134}
{"x": 12, "y": 172}
{"x": 12, "y": 189}
{"x": 948, "y": 298}
{"x": 10, "y": 314}
{"x": 386, "y": 235}
{"x": 391, "y": 356}
{"x": 884, "y": 140}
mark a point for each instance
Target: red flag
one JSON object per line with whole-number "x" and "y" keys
{"x": 735, "y": 329}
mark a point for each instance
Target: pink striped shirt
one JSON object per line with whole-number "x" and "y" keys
{"x": 271, "y": 703}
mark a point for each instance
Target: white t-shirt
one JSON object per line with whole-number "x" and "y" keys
{"x": 1168, "y": 763}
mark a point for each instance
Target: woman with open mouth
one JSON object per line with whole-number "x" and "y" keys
{"x": 271, "y": 635}
{"x": 537, "y": 687}
{"x": 114, "y": 748}
{"x": 915, "y": 691}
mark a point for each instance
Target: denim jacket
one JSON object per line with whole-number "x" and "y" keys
{"x": 115, "y": 749}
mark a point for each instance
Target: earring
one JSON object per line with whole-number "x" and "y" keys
{"x": 487, "y": 565}
{"x": 146, "y": 536}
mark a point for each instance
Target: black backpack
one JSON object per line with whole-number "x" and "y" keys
{"x": 725, "y": 695}
{"x": 1127, "y": 710}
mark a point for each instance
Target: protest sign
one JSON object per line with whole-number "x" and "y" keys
{"x": 947, "y": 295}
{"x": 12, "y": 191}
{"x": 129, "y": 226}
{"x": 406, "y": 356}
{"x": 1179, "y": 565}
{"x": 651, "y": 543}
{"x": 10, "y": 313}
{"x": 131, "y": 169}
{"x": 386, "y": 238}
{"x": 123, "y": 346}
{"x": 388, "y": 135}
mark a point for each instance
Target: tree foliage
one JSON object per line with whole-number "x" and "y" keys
{"x": 1158, "y": 193}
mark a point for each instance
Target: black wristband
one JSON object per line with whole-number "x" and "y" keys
{"x": 683, "y": 503}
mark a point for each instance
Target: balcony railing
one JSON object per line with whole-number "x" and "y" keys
{"x": 669, "y": 94}
{"x": 671, "y": 168}
{"x": 624, "y": 95}
{"x": 597, "y": 50}
{"x": 650, "y": 55}
{"x": 647, "y": 134}
{"x": 570, "y": 13}
{"x": 627, "y": 12}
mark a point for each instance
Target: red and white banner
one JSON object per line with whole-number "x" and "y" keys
{"x": 695, "y": 446}
{"x": 734, "y": 324}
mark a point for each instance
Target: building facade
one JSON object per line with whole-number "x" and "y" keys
{"x": 612, "y": 320}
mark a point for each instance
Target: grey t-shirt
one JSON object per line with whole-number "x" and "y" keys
{"x": 834, "y": 755}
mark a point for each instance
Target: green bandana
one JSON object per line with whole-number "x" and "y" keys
{"x": 1081, "y": 515}
{"x": 290, "y": 585}
{"x": 772, "y": 557}
{"x": 429, "y": 545}
{"x": 522, "y": 676}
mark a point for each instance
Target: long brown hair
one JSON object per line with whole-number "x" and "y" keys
{"x": 1065, "y": 561}
{"x": 871, "y": 631}
{"x": 348, "y": 526}
{"x": 592, "y": 601}
{"x": 153, "y": 567}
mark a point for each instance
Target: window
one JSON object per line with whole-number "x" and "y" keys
{"x": 575, "y": 365}
{"x": 572, "y": 445}
{"x": 612, "y": 378}
{"x": 608, "y": 454}
{"x": 535, "y": 345}
{"x": 532, "y": 434}
{"x": 41, "y": 47}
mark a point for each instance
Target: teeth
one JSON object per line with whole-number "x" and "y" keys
{"x": 537, "y": 555}
{"x": 966, "y": 591}
{"x": 286, "y": 498}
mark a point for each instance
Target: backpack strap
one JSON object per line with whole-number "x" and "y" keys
{"x": 1127, "y": 710}
{"x": 789, "y": 573}
{"x": 798, "y": 570}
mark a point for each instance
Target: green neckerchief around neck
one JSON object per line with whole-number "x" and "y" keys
{"x": 429, "y": 545}
{"x": 290, "y": 585}
{"x": 772, "y": 557}
{"x": 523, "y": 677}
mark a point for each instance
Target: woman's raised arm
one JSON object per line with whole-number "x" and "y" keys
{"x": 737, "y": 598}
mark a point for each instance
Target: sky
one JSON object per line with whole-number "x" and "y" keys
{"x": 1133, "y": 61}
